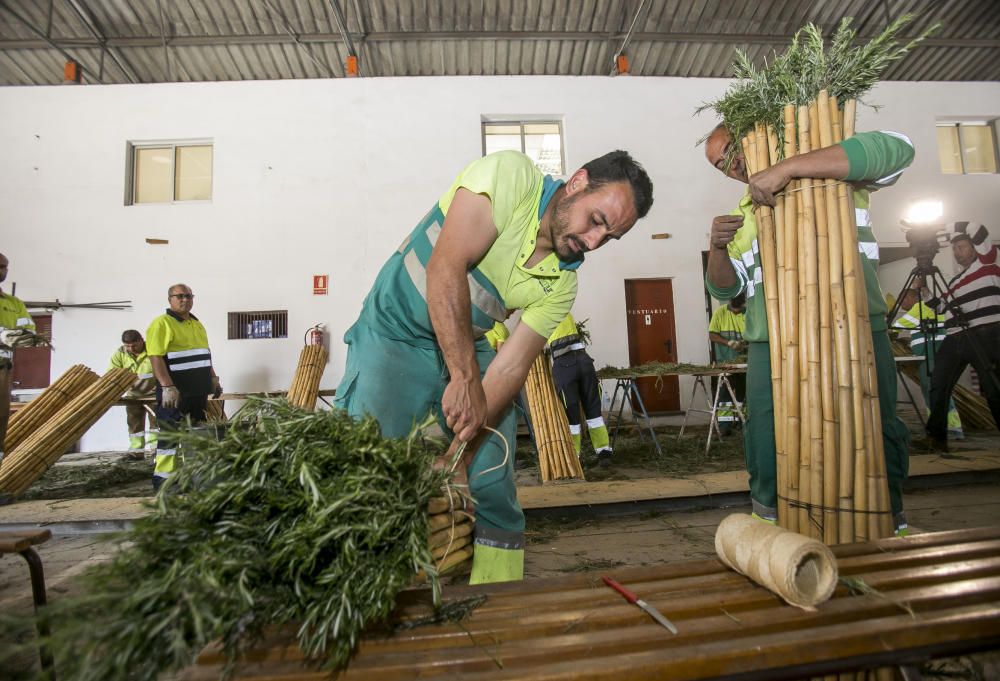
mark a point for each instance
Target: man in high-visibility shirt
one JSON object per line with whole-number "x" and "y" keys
{"x": 869, "y": 161}
{"x": 725, "y": 331}
{"x": 132, "y": 356}
{"x": 576, "y": 383}
{"x": 177, "y": 345}
{"x": 927, "y": 332}
{"x": 14, "y": 322}
{"x": 503, "y": 237}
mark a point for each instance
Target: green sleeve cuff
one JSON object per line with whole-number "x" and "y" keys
{"x": 723, "y": 294}
{"x": 876, "y": 155}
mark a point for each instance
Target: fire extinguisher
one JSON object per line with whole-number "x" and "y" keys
{"x": 315, "y": 335}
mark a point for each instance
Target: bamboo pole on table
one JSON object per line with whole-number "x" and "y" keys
{"x": 842, "y": 346}
{"x": 36, "y": 454}
{"x": 790, "y": 340}
{"x": 33, "y": 416}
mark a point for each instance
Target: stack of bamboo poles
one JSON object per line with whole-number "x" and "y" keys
{"x": 215, "y": 411}
{"x": 305, "y": 384}
{"x": 450, "y": 533}
{"x": 557, "y": 457}
{"x": 36, "y": 413}
{"x": 36, "y": 454}
{"x": 831, "y": 467}
{"x": 972, "y": 408}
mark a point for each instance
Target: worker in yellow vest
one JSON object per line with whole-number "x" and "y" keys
{"x": 15, "y": 327}
{"x": 725, "y": 330}
{"x": 132, "y": 356}
{"x": 576, "y": 383}
{"x": 927, "y": 332}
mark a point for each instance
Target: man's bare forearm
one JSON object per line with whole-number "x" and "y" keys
{"x": 450, "y": 306}
{"x": 721, "y": 272}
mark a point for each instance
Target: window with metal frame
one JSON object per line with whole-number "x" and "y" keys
{"x": 967, "y": 147}
{"x": 166, "y": 172}
{"x": 540, "y": 140}
{"x": 258, "y": 324}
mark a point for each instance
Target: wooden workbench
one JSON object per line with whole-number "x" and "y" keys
{"x": 938, "y": 595}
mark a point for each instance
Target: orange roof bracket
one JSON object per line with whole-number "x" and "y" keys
{"x": 352, "y": 66}
{"x": 621, "y": 64}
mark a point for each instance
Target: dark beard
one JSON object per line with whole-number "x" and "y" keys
{"x": 560, "y": 225}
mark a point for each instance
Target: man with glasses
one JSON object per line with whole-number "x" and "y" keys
{"x": 177, "y": 345}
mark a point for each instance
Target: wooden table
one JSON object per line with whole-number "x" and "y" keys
{"x": 938, "y": 596}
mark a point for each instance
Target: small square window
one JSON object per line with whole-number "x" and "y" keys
{"x": 539, "y": 140}
{"x": 260, "y": 324}
{"x": 168, "y": 172}
{"x": 967, "y": 148}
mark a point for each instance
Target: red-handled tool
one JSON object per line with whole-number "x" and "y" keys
{"x": 632, "y": 598}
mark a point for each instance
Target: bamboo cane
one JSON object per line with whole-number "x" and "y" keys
{"x": 831, "y": 464}
{"x": 304, "y": 390}
{"x": 790, "y": 338}
{"x": 807, "y": 281}
{"x": 31, "y": 417}
{"x": 842, "y": 347}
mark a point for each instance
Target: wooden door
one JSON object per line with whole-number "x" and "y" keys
{"x": 32, "y": 365}
{"x": 649, "y": 314}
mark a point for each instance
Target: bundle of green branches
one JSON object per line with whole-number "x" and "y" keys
{"x": 847, "y": 70}
{"x": 650, "y": 369}
{"x": 299, "y": 518}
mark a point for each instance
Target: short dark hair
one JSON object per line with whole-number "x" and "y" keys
{"x": 619, "y": 166}
{"x": 131, "y": 336}
{"x": 962, "y": 236}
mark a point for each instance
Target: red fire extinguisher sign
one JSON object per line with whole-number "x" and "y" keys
{"x": 320, "y": 284}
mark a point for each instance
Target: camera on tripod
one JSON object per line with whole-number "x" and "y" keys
{"x": 926, "y": 242}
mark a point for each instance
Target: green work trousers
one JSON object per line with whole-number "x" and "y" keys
{"x": 758, "y": 434}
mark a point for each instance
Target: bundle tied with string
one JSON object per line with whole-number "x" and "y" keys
{"x": 831, "y": 471}
{"x": 801, "y": 570}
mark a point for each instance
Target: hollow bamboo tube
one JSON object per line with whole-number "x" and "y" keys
{"x": 789, "y": 489}
{"x": 852, "y": 283}
{"x": 842, "y": 348}
{"x": 780, "y": 421}
{"x": 767, "y": 243}
{"x": 815, "y": 295}
{"x": 456, "y": 544}
{"x": 805, "y": 253}
{"x": 831, "y": 464}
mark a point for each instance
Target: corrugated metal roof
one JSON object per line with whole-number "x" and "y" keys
{"x": 121, "y": 41}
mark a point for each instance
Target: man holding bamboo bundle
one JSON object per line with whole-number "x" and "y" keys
{"x": 503, "y": 237}
{"x": 868, "y": 161}
{"x": 177, "y": 345}
{"x": 14, "y": 322}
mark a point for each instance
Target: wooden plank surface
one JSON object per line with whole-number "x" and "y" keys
{"x": 933, "y": 594}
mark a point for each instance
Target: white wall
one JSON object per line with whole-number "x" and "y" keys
{"x": 327, "y": 176}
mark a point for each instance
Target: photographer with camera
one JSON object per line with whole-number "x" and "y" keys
{"x": 972, "y": 298}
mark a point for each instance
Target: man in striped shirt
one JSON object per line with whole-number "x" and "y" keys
{"x": 973, "y": 331}
{"x": 177, "y": 345}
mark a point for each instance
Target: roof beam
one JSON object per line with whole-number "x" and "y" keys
{"x": 95, "y": 31}
{"x": 46, "y": 42}
{"x": 265, "y": 39}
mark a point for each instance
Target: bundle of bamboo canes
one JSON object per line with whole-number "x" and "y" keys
{"x": 305, "y": 384}
{"x": 831, "y": 467}
{"x": 30, "y": 418}
{"x": 972, "y": 408}
{"x": 215, "y": 411}
{"x": 449, "y": 533}
{"x": 36, "y": 454}
{"x": 557, "y": 457}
